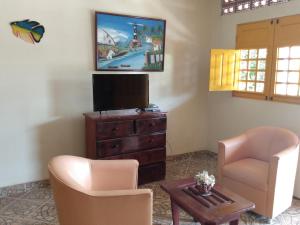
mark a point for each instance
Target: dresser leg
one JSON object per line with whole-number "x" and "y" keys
{"x": 175, "y": 213}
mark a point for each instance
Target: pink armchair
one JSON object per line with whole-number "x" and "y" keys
{"x": 261, "y": 165}
{"x": 99, "y": 192}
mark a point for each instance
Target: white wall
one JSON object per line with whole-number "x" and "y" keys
{"x": 229, "y": 116}
{"x": 44, "y": 89}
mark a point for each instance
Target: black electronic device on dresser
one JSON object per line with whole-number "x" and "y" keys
{"x": 126, "y": 134}
{"x": 120, "y": 91}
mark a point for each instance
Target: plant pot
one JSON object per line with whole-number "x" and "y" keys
{"x": 205, "y": 190}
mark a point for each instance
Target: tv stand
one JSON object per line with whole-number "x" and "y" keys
{"x": 128, "y": 134}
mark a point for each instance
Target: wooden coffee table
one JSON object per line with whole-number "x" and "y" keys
{"x": 221, "y": 206}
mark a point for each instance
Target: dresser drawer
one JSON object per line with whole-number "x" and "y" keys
{"x": 152, "y": 172}
{"x": 152, "y": 141}
{"x": 146, "y": 126}
{"x": 144, "y": 157}
{"x": 129, "y": 144}
{"x": 111, "y": 130}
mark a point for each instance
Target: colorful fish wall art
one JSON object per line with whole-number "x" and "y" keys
{"x": 27, "y": 30}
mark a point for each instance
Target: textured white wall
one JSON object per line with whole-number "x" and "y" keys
{"x": 44, "y": 89}
{"x": 229, "y": 116}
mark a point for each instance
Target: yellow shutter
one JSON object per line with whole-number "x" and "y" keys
{"x": 257, "y": 35}
{"x": 224, "y": 69}
{"x": 287, "y": 35}
{"x": 287, "y": 31}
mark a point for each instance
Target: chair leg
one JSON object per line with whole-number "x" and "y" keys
{"x": 264, "y": 219}
{"x": 260, "y": 218}
{"x": 268, "y": 220}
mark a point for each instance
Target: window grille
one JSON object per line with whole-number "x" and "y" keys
{"x": 287, "y": 71}
{"x": 252, "y": 70}
{"x": 233, "y": 6}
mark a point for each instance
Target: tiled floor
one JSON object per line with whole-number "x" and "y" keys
{"x": 33, "y": 204}
{"x": 30, "y": 204}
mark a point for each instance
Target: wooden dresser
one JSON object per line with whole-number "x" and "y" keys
{"x": 129, "y": 135}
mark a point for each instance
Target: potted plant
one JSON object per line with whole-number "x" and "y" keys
{"x": 204, "y": 182}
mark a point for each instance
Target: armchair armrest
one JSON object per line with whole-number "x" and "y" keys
{"x": 126, "y": 207}
{"x": 286, "y": 153}
{"x": 114, "y": 174}
{"x": 231, "y": 150}
{"x": 282, "y": 173}
{"x": 119, "y": 193}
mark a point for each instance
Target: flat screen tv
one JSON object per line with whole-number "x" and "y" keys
{"x": 120, "y": 91}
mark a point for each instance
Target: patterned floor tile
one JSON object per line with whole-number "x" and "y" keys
{"x": 5, "y": 202}
{"x": 161, "y": 222}
{"x": 18, "y": 221}
{"x": 20, "y": 208}
{"x": 47, "y": 213}
{"x": 178, "y": 158}
{"x": 196, "y": 166}
{"x": 176, "y": 169}
{"x": 14, "y": 191}
{"x": 19, "y": 190}
{"x": 38, "y": 194}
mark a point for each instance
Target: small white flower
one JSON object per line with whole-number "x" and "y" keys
{"x": 205, "y": 178}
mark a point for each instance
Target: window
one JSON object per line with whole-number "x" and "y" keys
{"x": 287, "y": 71}
{"x": 233, "y": 6}
{"x": 257, "y": 39}
{"x": 252, "y": 70}
{"x": 268, "y": 60}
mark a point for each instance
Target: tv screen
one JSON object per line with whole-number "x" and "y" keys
{"x": 120, "y": 91}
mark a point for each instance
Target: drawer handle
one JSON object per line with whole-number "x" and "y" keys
{"x": 151, "y": 124}
{"x": 115, "y": 129}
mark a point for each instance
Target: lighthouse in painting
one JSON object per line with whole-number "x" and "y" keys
{"x": 135, "y": 43}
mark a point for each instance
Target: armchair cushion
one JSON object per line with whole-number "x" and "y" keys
{"x": 248, "y": 171}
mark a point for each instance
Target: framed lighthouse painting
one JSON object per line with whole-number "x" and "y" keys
{"x": 129, "y": 43}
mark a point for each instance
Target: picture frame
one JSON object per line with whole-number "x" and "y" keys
{"x": 129, "y": 43}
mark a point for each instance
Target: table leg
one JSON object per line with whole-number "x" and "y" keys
{"x": 175, "y": 213}
{"x": 234, "y": 222}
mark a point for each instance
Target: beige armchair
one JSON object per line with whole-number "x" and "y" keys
{"x": 99, "y": 192}
{"x": 261, "y": 165}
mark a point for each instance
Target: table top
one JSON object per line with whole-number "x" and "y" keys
{"x": 219, "y": 207}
